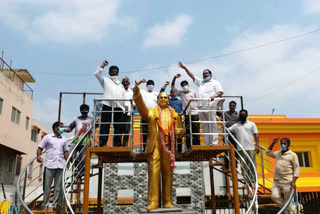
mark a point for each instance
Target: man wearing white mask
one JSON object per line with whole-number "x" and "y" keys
{"x": 210, "y": 89}
{"x": 186, "y": 94}
{"x": 150, "y": 97}
{"x": 128, "y": 105}
{"x": 113, "y": 89}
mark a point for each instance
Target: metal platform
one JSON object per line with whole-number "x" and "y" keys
{"x": 126, "y": 154}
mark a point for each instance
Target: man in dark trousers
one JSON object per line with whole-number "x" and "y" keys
{"x": 113, "y": 89}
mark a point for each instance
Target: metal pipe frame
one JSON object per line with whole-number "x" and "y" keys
{"x": 66, "y": 167}
{"x": 112, "y": 134}
{"x": 254, "y": 199}
{"x": 24, "y": 83}
{"x": 22, "y": 173}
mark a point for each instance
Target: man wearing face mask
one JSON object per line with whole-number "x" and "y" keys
{"x": 246, "y": 133}
{"x": 164, "y": 125}
{"x": 186, "y": 94}
{"x": 150, "y": 98}
{"x": 286, "y": 174}
{"x": 56, "y": 147}
{"x": 113, "y": 89}
{"x": 176, "y": 104}
{"x": 81, "y": 125}
{"x": 210, "y": 89}
{"x": 128, "y": 110}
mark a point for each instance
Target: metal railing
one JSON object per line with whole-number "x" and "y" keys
{"x": 74, "y": 168}
{"x": 75, "y": 163}
{"x": 30, "y": 186}
{"x": 110, "y": 136}
{"x": 11, "y": 74}
{"x": 114, "y": 123}
{"x": 247, "y": 166}
{"x": 293, "y": 194}
{"x": 250, "y": 177}
{"x": 252, "y": 183}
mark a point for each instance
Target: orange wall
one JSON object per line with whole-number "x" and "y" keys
{"x": 304, "y": 134}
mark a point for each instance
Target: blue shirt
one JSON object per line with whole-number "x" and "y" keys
{"x": 175, "y": 103}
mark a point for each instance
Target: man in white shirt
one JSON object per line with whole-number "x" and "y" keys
{"x": 128, "y": 110}
{"x": 113, "y": 89}
{"x": 186, "y": 94}
{"x": 150, "y": 98}
{"x": 208, "y": 88}
{"x": 246, "y": 133}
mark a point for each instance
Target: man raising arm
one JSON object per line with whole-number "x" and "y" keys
{"x": 286, "y": 174}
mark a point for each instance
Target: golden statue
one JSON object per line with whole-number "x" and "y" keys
{"x": 164, "y": 124}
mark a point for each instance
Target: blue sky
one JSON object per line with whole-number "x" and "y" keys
{"x": 61, "y": 43}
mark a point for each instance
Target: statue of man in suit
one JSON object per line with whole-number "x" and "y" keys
{"x": 164, "y": 124}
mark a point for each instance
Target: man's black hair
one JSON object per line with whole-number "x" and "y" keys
{"x": 184, "y": 82}
{"x": 113, "y": 67}
{"x": 286, "y": 139}
{"x": 84, "y": 107}
{"x": 243, "y": 110}
{"x": 234, "y": 102}
{"x": 150, "y": 82}
{"x": 56, "y": 124}
{"x": 208, "y": 71}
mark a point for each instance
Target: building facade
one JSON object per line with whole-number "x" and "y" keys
{"x": 20, "y": 133}
{"x": 304, "y": 134}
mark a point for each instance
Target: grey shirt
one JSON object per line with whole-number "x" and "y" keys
{"x": 231, "y": 118}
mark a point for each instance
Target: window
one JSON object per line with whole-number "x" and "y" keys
{"x": 15, "y": 115}
{"x": 304, "y": 160}
{"x": 18, "y": 166}
{"x": 27, "y": 123}
{"x": 34, "y": 135}
{"x": 1, "y": 104}
{"x": 11, "y": 162}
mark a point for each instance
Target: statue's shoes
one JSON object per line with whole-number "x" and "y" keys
{"x": 152, "y": 206}
{"x": 168, "y": 205}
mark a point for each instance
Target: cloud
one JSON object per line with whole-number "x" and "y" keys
{"x": 62, "y": 21}
{"x": 282, "y": 76}
{"x": 169, "y": 33}
{"x": 311, "y": 6}
{"x": 274, "y": 75}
